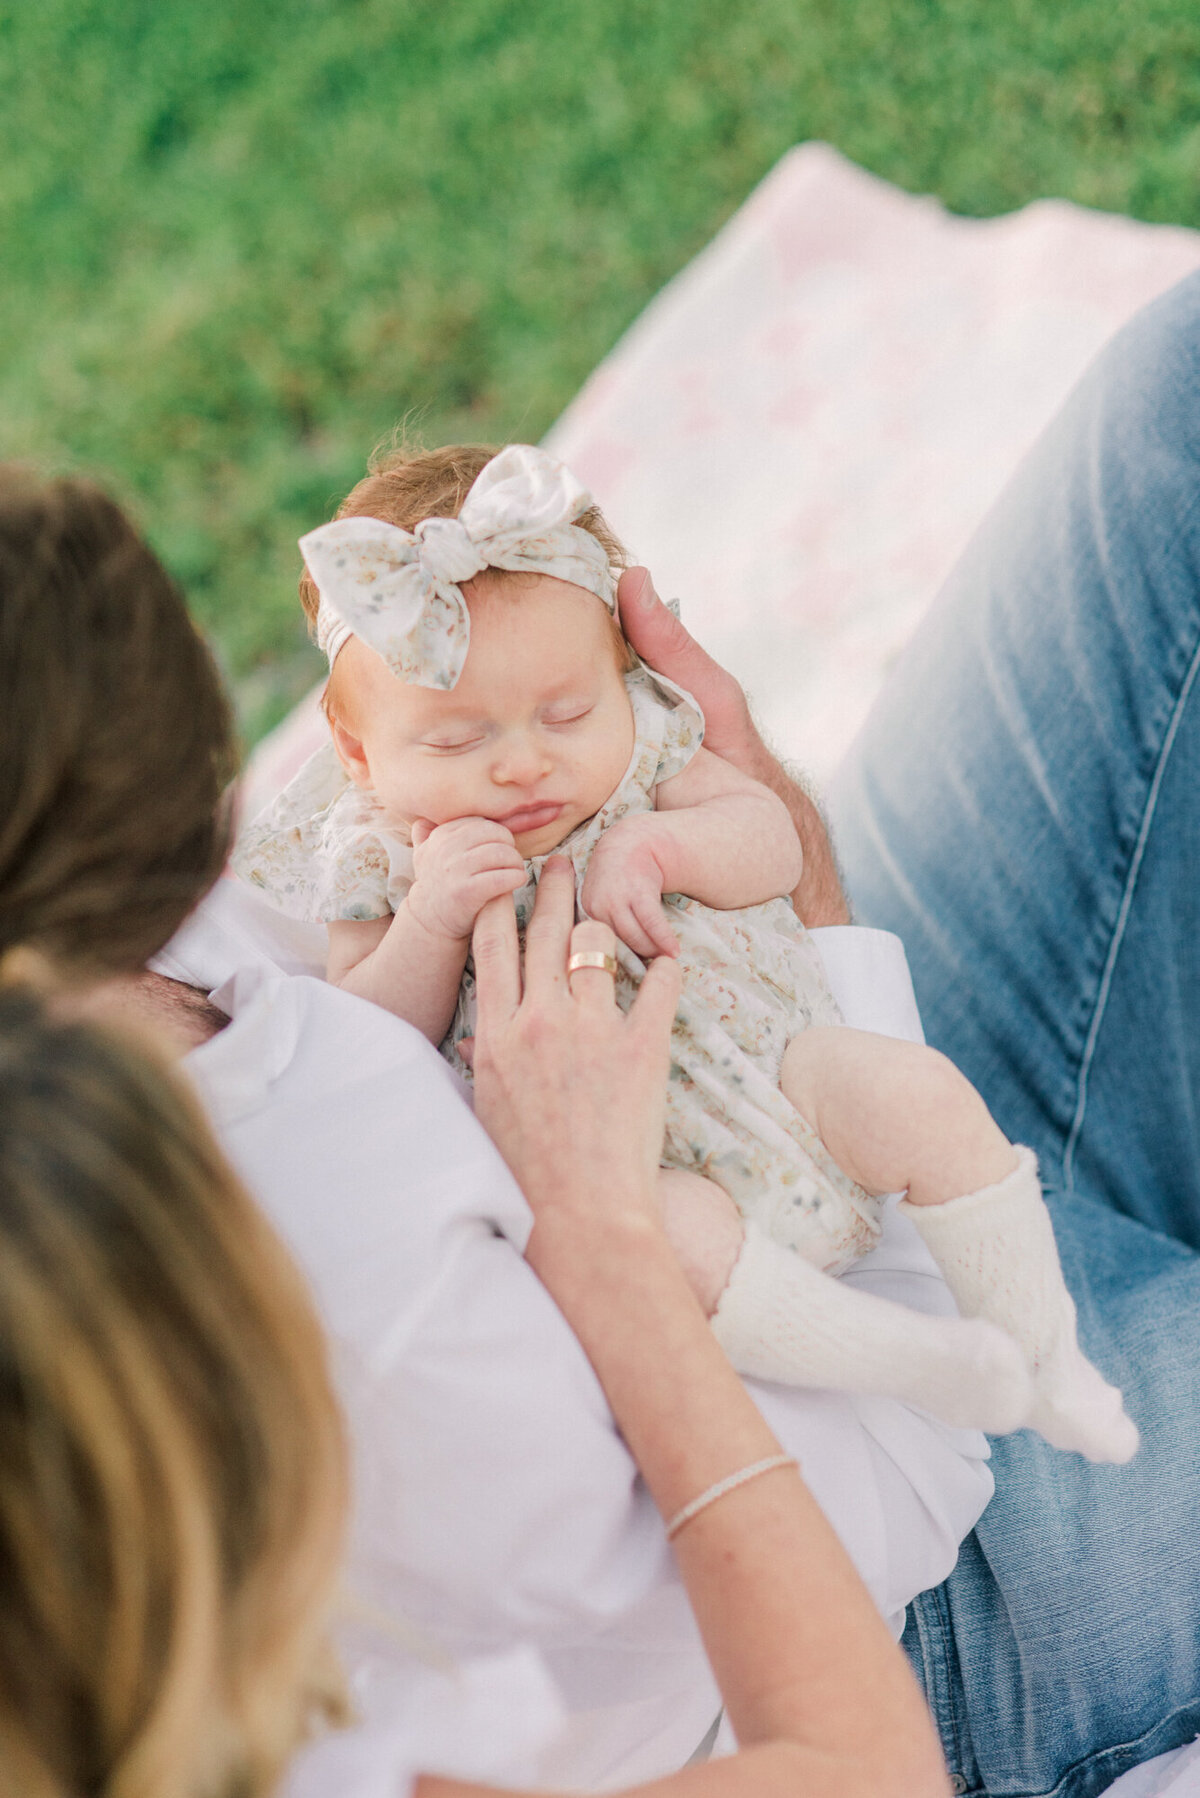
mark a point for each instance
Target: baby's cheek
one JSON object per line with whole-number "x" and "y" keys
{"x": 609, "y": 759}
{"x": 439, "y": 793}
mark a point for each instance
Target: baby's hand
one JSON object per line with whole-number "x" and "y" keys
{"x": 458, "y": 867}
{"x": 623, "y": 888}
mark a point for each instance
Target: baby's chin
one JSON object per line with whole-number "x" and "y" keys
{"x": 531, "y": 843}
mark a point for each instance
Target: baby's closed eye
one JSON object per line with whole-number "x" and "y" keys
{"x": 454, "y": 745}
{"x": 573, "y": 713}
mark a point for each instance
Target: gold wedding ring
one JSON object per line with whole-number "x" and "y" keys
{"x": 592, "y": 958}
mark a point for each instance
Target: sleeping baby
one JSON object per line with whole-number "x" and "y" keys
{"x": 485, "y": 712}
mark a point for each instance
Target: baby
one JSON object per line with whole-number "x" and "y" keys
{"x": 485, "y": 711}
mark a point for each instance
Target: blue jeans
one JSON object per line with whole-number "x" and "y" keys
{"x": 1023, "y": 808}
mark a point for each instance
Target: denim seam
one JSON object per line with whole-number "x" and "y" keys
{"x": 1081, "y": 1780}
{"x": 942, "y": 1679}
{"x": 1122, "y": 919}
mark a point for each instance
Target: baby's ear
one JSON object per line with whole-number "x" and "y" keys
{"x": 349, "y": 751}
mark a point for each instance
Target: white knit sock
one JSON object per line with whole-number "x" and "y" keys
{"x": 996, "y": 1249}
{"x": 779, "y": 1318}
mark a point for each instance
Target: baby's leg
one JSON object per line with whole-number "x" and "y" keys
{"x": 704, "y": 1228}
{"x": 901, "y": 1118}
{"x": 896, "y": 1117}
{"x": 779, "y": 1318}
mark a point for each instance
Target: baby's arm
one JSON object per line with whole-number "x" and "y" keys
{"x": 715, "y": 834}
{"x": 412, "y": 963}
{"x": 395, "y": 962}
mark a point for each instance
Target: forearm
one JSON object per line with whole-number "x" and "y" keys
{"x": 412, "y": 972}
{"x": 792, "y": 1636}
{"x": 738, "y": 849}
{"x": 624, "y": 1294}
{"x": 818, "y": 896}
{"x": 801, "y": 1655}
{"x": 776, "y": 1769}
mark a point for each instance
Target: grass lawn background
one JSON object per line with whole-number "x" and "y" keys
{"x": 239, "y": 241}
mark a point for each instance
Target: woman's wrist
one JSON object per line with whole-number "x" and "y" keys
{"x": 585, "y": 1253}
{"x": 679, "y": 1403}
{"x": 618, "y": 1283}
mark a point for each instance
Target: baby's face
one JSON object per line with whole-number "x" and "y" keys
{"x": 536, "y": 734}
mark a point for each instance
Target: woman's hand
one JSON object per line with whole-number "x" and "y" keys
{"x": 572, "y": 1093}
{"x": 571, "y": 1089}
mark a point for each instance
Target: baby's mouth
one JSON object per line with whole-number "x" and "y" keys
{"x": 530, "y": 818}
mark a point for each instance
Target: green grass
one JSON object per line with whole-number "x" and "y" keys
{"x": 240, "y": 241}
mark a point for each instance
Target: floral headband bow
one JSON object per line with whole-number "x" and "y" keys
{"x": 401, "y": 591}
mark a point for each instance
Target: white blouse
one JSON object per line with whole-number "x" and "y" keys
{"x": 495, "y": 1503}
{"x": 485, "y": 1720}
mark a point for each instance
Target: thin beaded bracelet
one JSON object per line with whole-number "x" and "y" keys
{"x": 729, "y": 1484}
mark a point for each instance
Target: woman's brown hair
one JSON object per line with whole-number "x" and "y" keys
{"x": 172, "y": 1480}
{"x": 116, "y": 739}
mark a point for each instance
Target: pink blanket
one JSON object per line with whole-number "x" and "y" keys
{"x": 801, "y": 431}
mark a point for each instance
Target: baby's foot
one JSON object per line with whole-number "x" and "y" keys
{"x": 996, "y": 1249}
{"x": 1074, "y": 1407}
{"x": 973, "y": 1375}
{"x": 780, "y": 1319}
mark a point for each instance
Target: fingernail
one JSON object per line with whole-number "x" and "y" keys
{"x": 647, "y": 598}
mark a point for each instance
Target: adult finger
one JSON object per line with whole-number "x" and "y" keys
{"x": 497, "y": 964}
{"x": 594, "y": 988}
{"x": 550, "y": 927}
{"x": 660, "y": 638}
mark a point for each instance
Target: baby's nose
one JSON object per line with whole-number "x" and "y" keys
{"x": 521, "y": 762}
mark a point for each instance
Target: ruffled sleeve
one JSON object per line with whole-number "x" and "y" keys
{"x": 323, "y": 851}
{"x": 667, "y": 717}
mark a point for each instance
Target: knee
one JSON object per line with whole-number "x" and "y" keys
{"x": 906, "y": 1087}
{"x": 1165, "y": 331}
{"x": 921, "y": 1088}
{"x": 1150, "y": 375}
{"x": 941, "y": 1089}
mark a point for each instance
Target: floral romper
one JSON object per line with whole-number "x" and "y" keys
{"x": 752, "y": 978}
